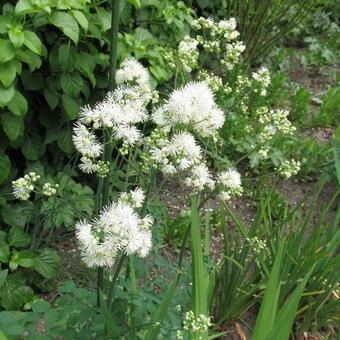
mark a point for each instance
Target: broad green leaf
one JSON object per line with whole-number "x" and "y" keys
{"x": 6, "y": 94}
{"x": 14, "y": 293}
{"x": 33, "y": 147}
{"x": 34, "y": 61}
{"x": 17, "y": 237}
{"x": 12, "y": 125}
{"x": 5, "y": 166}
{"x": 51, "y": 98}
{"x": 32, "y": 81}
{"x": 16, "y": 37}
{"x": 66, "y": 57}
{"x": 23, "y": 7}
{"x": 67, "y": 24}
{"x": 47, "y": 263}
{"x": 7, "y": 51}
{"x": 71, "y": 106}
{"x": 40, "y": 306}
{"x": 5, "y": 22}
{"x": 4, "y": 253}
{"x": 86, "y": 64}
{"x": 71, "y": 84}
{"x": 18, "y": 104}
{"x": 104, "y": 17}
{"x": 32, "y": 41}
{"x": 141, "y": 34}
{"x": 65, "y": 142}
{"x": 3, "y": 276}
{"x": 19, "y": 214}
{"x": 26, "y": 258}
{"x": 81, "y": 18}
{"x": 8, "y": 72}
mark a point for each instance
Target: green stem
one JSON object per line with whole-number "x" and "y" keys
{"x": 103, "y": 193}
{"x": 113, "y": 43}
{"x": 117, "y": 268}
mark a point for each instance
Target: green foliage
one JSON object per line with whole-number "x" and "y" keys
{"x": 18, "y": 263}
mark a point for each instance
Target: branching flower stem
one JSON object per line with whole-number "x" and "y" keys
{"x": 103, "y": 191}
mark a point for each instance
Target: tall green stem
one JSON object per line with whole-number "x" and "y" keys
{"x": 103, "y": 192}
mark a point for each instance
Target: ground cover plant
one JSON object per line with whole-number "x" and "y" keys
{"x": 169, "y": 170}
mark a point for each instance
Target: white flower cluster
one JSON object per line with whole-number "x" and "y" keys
{"x": 120, "y": 113}
{"x": 192, "y": 107}
{"x": 262, "y": 77}
{"x": 117, "y": 228}
{"x": 24, "y": 186}
{"x": 230, "y": 183}
{"x": 256, "y": 244}
{"x": 288, "y": 168}
{"x": 188, "y": 53}
{"x": 200, "y": 324}
{"x": 222, "y": 39}
{"x": 214, "y": 82}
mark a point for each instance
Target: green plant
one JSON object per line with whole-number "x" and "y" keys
{"x": 23, "y": 268}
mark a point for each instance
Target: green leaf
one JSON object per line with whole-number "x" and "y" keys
{"x": 285, "y": 318}
{"x": 14, "y": 293}
{"x": 3, "y": 276}
{"x": 40, "y": 306}
{"x": 81, "y": 18}
{"x": 6, "y": 94}
{"x": 19, "y": 214}
{"x": 109, "y": 320}
{"x": 26, "y": 258}
{"x": 71, "y": 84}
{"x": 200, "y": 276}
{"x": 162, "y": 310}
{"x": 12, "y": 125}
{"x": 17, "y": 237}
{"x": 33, "y": 147}
{"x": 5, "y": 166}
{"x": 8, "y": 73}
{"x": 16, "y": 37}
{"x": 141, "y": 34}
{"x": 18, "y": 104}
{"x": 71, "y": 106}
{"x": 32, "y": 41}
{"x": 65, "y": 142}
{"x": 67, "y": 24}
{"x": 66, "y": 57}
{"x": 34, "y": 61}
{"x": 104, "y": 17}
{"x": 85, "y": 63}
{"x": 4, "y": 253}
{"x": 51, "y": 98}
{"x": 7, "y": 51}
{"x": 23, "y": 7}
{"x": 135, "y": 3}
{"x": 47, "y": 263}
{"x": 32, "y": 81}
{"x": 266, "y": 317}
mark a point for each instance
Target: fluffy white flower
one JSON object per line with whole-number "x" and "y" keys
{"x": 86, "y": 142}
{"x": 87, "y": 165}
{"x": 130, "y": 134}
{"x": 193, "y": 106}
{"x": 131, "y": 71}
{"x": 200, "y": 178}
{"x": 117, "y": 228}
{"x": 230, "y": 178}
{"x": 23, "y": 186}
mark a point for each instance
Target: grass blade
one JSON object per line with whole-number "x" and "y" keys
{"x": 266, "y": 317}
{"x": 285, "y": 318}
